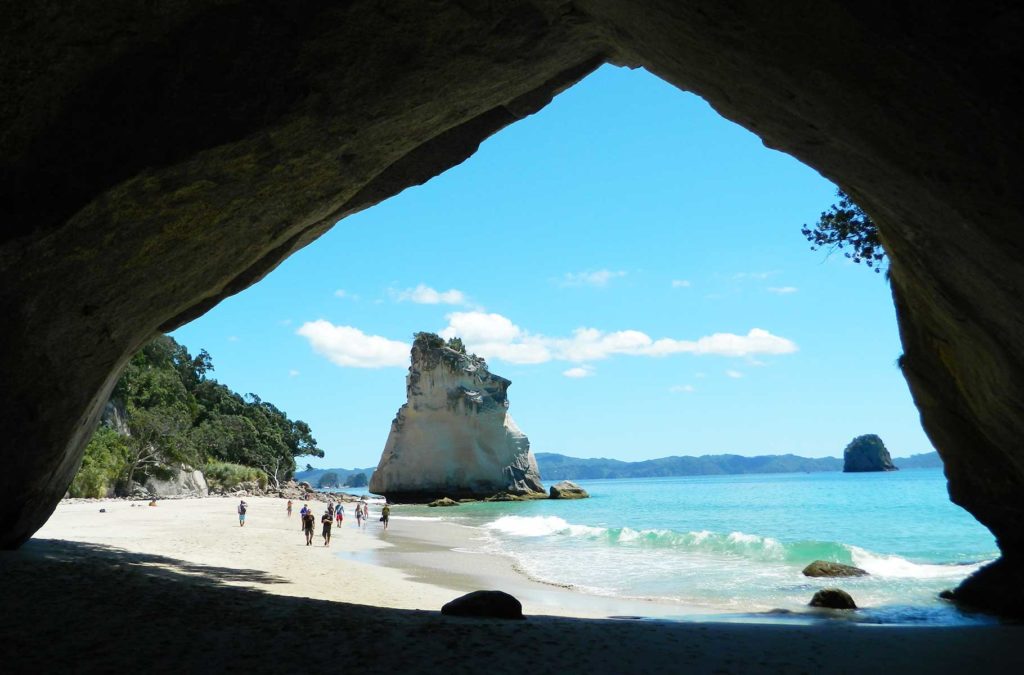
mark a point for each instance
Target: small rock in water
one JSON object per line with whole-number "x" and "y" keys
{"x": 833, "y": 598}
{"x": 443, "y": 501}
{"x": 492, "y": 604}
{"x": 824, "y": 568}
{"x": 566, "y": 489}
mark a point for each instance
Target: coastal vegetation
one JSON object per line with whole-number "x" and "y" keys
{"x": 165, "y": 413}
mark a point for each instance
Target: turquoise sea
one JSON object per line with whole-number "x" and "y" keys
{"x": 739, "y": 542}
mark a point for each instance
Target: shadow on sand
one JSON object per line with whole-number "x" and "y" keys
{"x": 89, "y": 608}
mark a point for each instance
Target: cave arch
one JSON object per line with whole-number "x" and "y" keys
{"x": 155, "y": 161}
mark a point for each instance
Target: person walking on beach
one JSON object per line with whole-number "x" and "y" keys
{"x": 366, "y": 512}
{"x": 242, "y": 507}
{"x": 385, "y": 515}
{"x": 340, "y": 513}
{"x": 308, "y": 524}
{"x": 289, "y": 508}
{"x": 327, "y": 520}
{"x": 359, "y": 515}
{"x": 302, "y": 516}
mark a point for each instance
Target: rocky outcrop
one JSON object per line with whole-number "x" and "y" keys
{"x": 453, "y": 437}
{"x": 867, "y": 453}
{"x": 135, "y": 135}
{"x": 824, "y": 568}
{"x": 566, "y": 489}
{"x": 181, "y": 482}
{"x": 444, "y": 501}
{"x": 833, "y": 598}
{"x": 489, "y": 604}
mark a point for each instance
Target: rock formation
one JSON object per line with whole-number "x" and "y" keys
{"x": 867, "y": 453}
{"x": 453, "y": 437}
{"x": 824, "y": 568}
{"x": 566, "y": 489}
{"x": 216, "y": 139}
{"x": 832, "y": 598}
{"x": 181, "y": 482}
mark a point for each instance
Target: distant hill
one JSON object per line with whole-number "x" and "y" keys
{"x": 926, "y": 460}
{"x": 560, "y": 467}
{"x": 313, "y": 477}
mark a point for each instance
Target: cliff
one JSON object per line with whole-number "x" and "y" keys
{"x": 867, "y": 453}
{"x": 453, "y": 437}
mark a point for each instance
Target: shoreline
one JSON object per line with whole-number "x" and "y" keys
{"x": 181, "y": 587}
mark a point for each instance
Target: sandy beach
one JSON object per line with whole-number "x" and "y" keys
{"x": 181, "y": 587}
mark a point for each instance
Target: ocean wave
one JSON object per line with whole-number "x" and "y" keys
{"x": 741, "y": 545}
{"x": 897, "y": 567}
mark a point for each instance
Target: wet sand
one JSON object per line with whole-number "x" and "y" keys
{"x": 180, "y": 587}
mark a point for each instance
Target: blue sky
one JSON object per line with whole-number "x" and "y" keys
{"x": 628, "y": 258}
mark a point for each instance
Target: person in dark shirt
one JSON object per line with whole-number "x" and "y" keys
{"x": 308, "y": 524}
{"x": 327, "y": 519}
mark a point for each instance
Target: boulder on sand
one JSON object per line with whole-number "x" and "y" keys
{"x": 566, "y": 489}
{"x": 491, "y": 604}
{"x": 833, "y": 598}
{"x": 824, "y": 568}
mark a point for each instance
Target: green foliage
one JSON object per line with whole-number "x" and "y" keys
{"x": 425, "y": 340}
{"x": 357, "y": 480}
{"x": 846, "y": 225}
{"x": 328, "y": 480}
{"x": 177, "y": 416}
{"x": 104, "y": 462}
{"x": 226, "y": 475}
{"x": 457, "y": 344}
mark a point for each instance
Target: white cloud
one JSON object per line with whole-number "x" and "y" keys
{"x": 232, "y": 338}
{"x": 350, "y": 347}
{"x": 425, "y": 295}
{"x": 680, "y": 283}
{"x": 293, "y": 373}
{"x": 735, "y": 374}
{"x": 578, "y": 372}
{"x": 782, "y": 290}
{"x": 682, "y": 389}
{"x": 495, "y": 336}
{"x": 598, "y": 278}
{"x": 343, "y": 294}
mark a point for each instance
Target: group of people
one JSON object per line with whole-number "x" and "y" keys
{"x": 334, "y": 512}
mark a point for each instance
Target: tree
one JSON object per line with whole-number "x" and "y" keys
{"x": 457, "y": 344}
{"x": 329, "y": 479}
{"x": 846, "y": 225}
{"x": 357, "y": 480}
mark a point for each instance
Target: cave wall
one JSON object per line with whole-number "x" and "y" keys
{"x": 154, "y": 160}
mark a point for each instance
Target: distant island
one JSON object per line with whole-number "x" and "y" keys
{"x": 341, "y": 478}
{"x": 560, "y": 467}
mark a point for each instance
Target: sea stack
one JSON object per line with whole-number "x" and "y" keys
{"x": 867, "y": 453}
{"x": 454, "y": 437}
